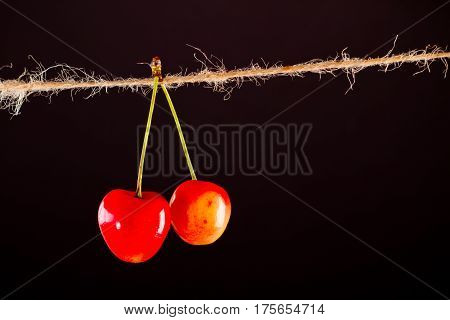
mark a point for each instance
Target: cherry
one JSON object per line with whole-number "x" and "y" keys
{"x": 200, "y": 211}
{"x": 135, "y": 224}
{"x": 134, "y": 228}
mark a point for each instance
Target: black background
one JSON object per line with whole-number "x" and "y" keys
{"x": 380, "y": 154}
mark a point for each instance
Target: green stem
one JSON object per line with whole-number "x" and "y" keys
{"x": 180, "y": 133}
{"x": 145, "y": 142}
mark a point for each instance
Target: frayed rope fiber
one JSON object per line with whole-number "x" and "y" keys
{"x": 213, "y": 74}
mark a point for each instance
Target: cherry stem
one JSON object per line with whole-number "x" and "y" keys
{"x": 145, "y": 142}
{"x": 180, "y": 133}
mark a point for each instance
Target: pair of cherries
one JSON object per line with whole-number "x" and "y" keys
{"x": 135, "y": 228}
{"x": 135, "y": 224}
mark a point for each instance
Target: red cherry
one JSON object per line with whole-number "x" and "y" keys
{"x": 200, "y": 211}
{"x": 134, "y": 228}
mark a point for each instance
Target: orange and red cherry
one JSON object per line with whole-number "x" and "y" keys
{"x": 200, "y": 211}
